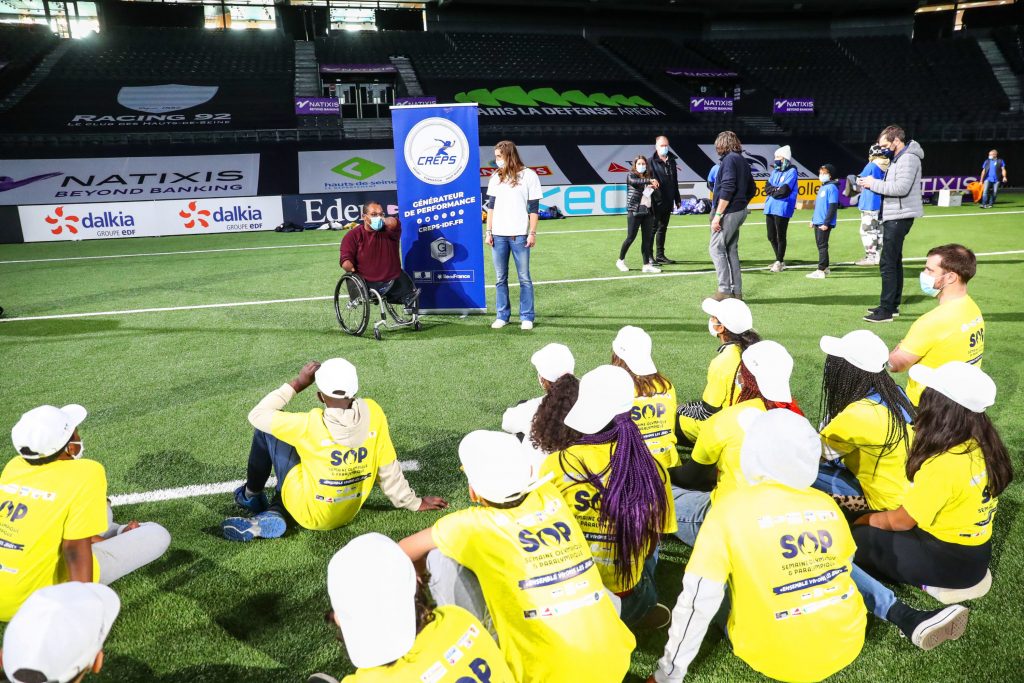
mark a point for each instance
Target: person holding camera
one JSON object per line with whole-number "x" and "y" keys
{"x": 642, "y": 195}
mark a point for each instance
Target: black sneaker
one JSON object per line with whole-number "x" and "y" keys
{"x": 879, "y": 316}
{"x": 878, "y": 308}
{"x": 664, "y": 260}
{"x": 658, "y": 617}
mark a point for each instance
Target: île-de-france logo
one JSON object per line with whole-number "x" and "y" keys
{"x": 195, "y": 216}
{"x": 62, "y": 222}
{"x": 436, "y": 151}
{"x": 358, "y": 168}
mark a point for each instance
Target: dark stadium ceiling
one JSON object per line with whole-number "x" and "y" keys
{"x": 715, "y": 6}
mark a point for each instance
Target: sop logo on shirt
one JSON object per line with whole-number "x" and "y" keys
{"x": 556, "y": 534}
{"x": 352, "y": 456}
{"x": 807, "y": 543}
{"x": 436, "y": 151}
{"x": 13, "y": 511}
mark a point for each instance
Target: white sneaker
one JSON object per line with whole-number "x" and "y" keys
{"x": 782, "y": 266}
{"x": 498, "y": 324}
{"x": 621, "y": 265}
{"x": 817, "y": 275}
{"x": 951, "y": 596}
{"x": 650, "y": 268}
{"x": 776, "y": 267}
{"x": 526, "y": 325}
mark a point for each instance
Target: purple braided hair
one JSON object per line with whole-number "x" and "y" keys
{"x": 634, "y": 502}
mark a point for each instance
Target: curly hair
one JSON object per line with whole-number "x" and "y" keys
{"x": 548, "y": 431}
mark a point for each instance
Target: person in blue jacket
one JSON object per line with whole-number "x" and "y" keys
{"x": 826, "y": 208}
{"x": 869, "y": 204}
{"x": 781, "y": 192}
{"x": 990, "y": 176}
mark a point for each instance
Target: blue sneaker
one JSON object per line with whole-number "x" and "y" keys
{"x": 255, "y": 505}
{"x": 264, "y": 525}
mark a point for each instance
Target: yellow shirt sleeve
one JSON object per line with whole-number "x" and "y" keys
{"x": 709, "y": 443}
{"x": 924, "y": 334}
{"x": 87, "y": 515}
{"x": 721, "y": 377}
{"x": 843, "y": 432}
{"x": 929, "y": 492}
{"x": 453, "y": 535}
{"x": 385, "y": 447}
{"x": 289, "y": 427}
{"x": 710, "y": 556}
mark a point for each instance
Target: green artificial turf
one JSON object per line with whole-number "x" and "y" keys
{"x": 168, "y": 393}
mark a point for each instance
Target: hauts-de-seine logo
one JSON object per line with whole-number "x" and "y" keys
{"x": 436, "y": 151}
{"x": 195, "y": 216}
{"x": 62, "y": 222}
{"x": 358, "y": 168}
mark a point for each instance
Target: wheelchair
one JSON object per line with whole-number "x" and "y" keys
{"x": 354, "y": 313}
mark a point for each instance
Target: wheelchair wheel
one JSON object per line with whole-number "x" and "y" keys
{"x": 354, "y": 312}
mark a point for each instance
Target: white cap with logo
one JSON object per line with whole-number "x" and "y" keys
{"x": 553, "y": 361}
{"x": 771, "y": 366}
{"x": 605, "y": 391}
{"x": 633, "y": 346}
{"x": 337, "y": 378}
{"x": 45, "y": 430}
{"x": 734, "y": 314}
{"x": 59, "y": 631}
{"x": 498, "y": 467}
{"x": 780, "y": 446}
{"x": 862, "y": 349}
{"x": 960, "y": 382}
{"x": 372, "y": 586}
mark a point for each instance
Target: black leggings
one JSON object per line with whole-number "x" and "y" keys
{"x": 777, "y": 227}
{"x": 645, "y": 224}
{"x": 917, "y": 558}
{"x": 821, "y": 238}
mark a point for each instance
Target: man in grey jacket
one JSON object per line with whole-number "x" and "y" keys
{"x": 901, "y": 204}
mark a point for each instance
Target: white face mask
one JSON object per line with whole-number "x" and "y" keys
{"x": 711, "y": 328}
{"x": 641, "y": 168}
{"x": 663, "y": 150}
{"x": 500, "y": 163}
{"x": 824, "y": 177}
{"x": 81, "y": 449}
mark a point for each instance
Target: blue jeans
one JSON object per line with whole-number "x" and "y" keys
{"x": 691, "y": 509}
{"x": 877, "y": 597}
{"x": 644, "y": 595}
{"x": 265, "y": 452}
{"x": 835, "y": 479}
{"x": 521, "y": 254}
{"x": 988, "y": 196}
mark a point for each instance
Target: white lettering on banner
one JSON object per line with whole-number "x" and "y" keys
{"x": 586, "y": 200}
{"x": 347, "y": 171}
{"x": 73, "y": 181}
{"x": 53, "y": 223}
{"x": 613, "y": 162}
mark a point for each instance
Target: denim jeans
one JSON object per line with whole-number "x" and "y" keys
{"x": 265, "y": 452}
{"x": 988, "y": 195}
{"x": 521, "y": 254}
{"x": 835, "y": 479}
{"x": 691, "y": 509}
{"x": 644, "y": 595}
{"x": 877, "y": 596}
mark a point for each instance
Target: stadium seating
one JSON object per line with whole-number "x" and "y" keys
{"x": 1010, "y": 40}
{"x": 21, "y": 47}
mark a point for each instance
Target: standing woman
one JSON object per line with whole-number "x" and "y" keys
{"x": 940, "y": 538}
{"x": 513, "y": 205}
{"x": 780, "y": 202}
{"x": 639, "y": 215}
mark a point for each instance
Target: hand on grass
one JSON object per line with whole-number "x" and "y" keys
{"x": 433, "y": 503}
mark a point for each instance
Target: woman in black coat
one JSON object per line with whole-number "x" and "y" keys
{"x": 639, "y": 217}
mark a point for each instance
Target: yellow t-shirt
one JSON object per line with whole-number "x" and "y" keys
{"x": 453, "y": 648}
{"x": 858, "y": 433}
{"x": 553, "y": 617}
{"x": 332, "y": 480}
{"x": 40, "y": 507}
{"x": 720, "y": 391}
{"x": 655, "y": 416}
{"x": 787, "y": 555}
{"x": 949, "y": 497}
{"x": 953, "y": 331}
{"x": 719, "y": 444}
{"x": 584, "y": 500}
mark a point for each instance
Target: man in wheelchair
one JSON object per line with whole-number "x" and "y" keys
{"x": 372, "y": 251}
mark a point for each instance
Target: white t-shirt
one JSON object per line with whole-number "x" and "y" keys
{"x": 509, "y": 216}
{"x": 519, "y": 419}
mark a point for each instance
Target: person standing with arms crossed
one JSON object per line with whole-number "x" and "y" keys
{"x": 990, "y": 171}
{"x": 663, "y": 168}
{"x": 780, "y": 203}
{"x": 734, "y": 188}
{"x": 901, "y": 204}
{"x": 513, "y": 206}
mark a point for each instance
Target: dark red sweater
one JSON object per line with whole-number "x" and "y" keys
{"x": 375, "y": 255}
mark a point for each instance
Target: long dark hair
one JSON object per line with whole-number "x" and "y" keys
{"x": 744, "y": 340}
{"x": 633, "y": 504}
{"x": 945, "y": 426}
{"x": 645, "y": 385}
{"x": 842, "y": 383}
{"x": 548, "y": 431}
{"x": 751, "y": 391}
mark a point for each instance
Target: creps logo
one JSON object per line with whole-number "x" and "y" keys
{"x": 436, "y": 151}
{"x": 194, "y": 215}
{"x": 358, "y": 168}
{"x": 62, "y": 222}
{"x": 160, "y": 99}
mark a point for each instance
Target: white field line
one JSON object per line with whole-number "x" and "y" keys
{"x": 236, "y": 304}
{"x": 543, "y": 233}
{"x": 196, "y": 490}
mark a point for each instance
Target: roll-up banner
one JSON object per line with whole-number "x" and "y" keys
{"x": 437, "y": 157}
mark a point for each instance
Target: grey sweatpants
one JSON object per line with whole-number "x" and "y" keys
{"x": 724, "y": 249}
{"x": 122, "y": 552}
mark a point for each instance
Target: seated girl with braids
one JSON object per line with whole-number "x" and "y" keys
{"x": 867, "y": 425}
{"x": 617, "y": 490}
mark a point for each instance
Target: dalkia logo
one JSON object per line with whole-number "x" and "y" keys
{"x": 516, "y": 95}
{"x": 62, "y": 222}
{"x": 358, "y": 168}
{"x": 194, "y": 215}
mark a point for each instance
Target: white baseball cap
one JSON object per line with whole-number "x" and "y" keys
{"x": 734, "y": 314}
{"x": 45, "y": 430}
{"x": 861, "y": 348}
{"x": 59, "y": 631}
{"x": 960, "y": 382}
{"x": 633, "y": 345}
{"x": 771, "y": 366}
{"x": 337, "y": 378}
{"x": 605, "y": 391}
{"x": 553, "y": 361}
{"x": 780, "y": 446}
{"x": 372, "y": 585}
{"x": 498, "y": 467}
